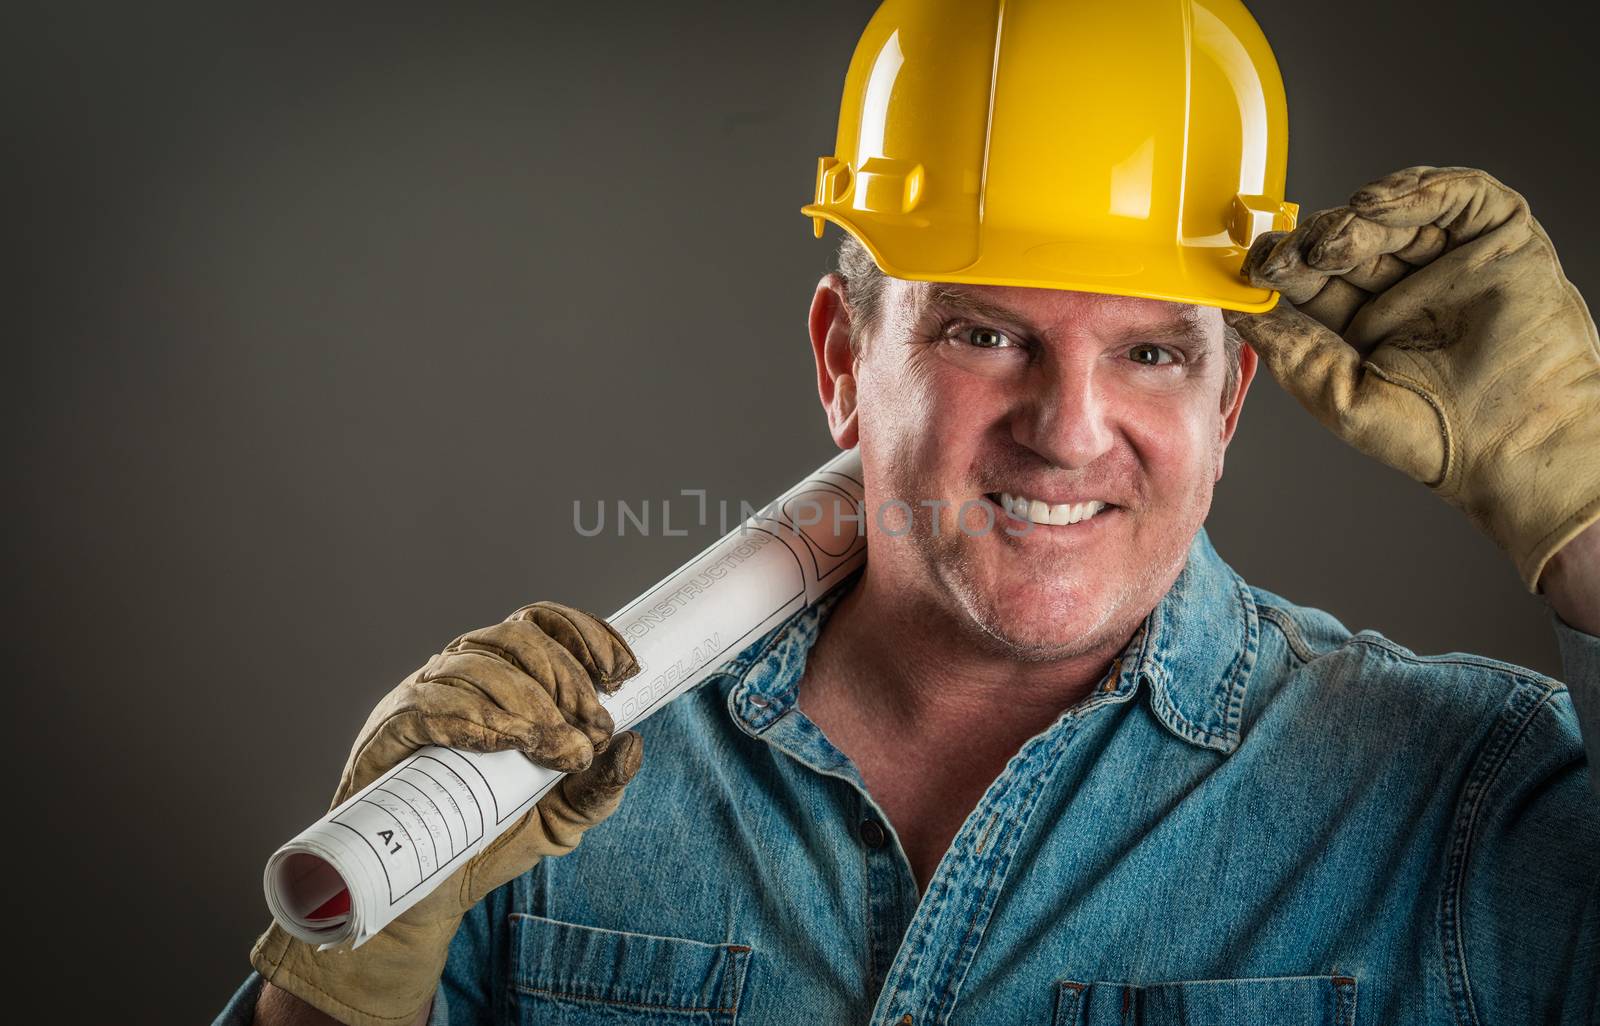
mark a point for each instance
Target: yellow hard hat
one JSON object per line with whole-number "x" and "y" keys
{"x": 1131, "y": 147}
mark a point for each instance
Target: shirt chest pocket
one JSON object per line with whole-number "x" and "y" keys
{"x": 570, "y": 975}
{"x": 1278, "y": 1001}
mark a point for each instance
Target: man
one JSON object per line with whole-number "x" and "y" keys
{"x": 1047, "y": 758}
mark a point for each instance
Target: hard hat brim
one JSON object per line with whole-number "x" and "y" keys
{"x": 1199, "y": 272}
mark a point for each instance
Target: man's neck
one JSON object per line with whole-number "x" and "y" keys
{"x": 914, "y": 671}
{"x": 930, "y": 711}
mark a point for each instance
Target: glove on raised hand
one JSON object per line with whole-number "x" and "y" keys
{"x": 1431, "y": 328}
{"x": 526, "y": 684}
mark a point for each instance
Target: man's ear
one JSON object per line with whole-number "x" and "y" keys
{"x": 836, "y": 364}
{"x": 1230, "y": 415}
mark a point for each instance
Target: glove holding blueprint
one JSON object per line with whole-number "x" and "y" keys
{"x": 561, "y": 681}
{"x": 527, "y": 685}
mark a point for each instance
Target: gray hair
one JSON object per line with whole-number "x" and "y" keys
{"x": 864, "y": 285}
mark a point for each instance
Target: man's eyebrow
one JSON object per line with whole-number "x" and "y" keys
{"x": 1185, "y": 329}
{"x": 975, "y": 306}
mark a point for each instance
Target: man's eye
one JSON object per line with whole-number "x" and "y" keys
{"x": 989, "y": 338}
{"x": 1149, "y": 354}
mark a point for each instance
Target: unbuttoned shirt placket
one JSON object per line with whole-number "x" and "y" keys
{"x": 920, "y": 949}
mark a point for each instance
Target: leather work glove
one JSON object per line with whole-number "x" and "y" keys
{"x": 527, "y": 684}
{"x": 1429, "y": 325}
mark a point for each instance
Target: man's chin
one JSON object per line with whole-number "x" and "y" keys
{"x": 1041, "y": 644}
{"x": 1033, "y": 610}
{"x": 1053, "y": 627}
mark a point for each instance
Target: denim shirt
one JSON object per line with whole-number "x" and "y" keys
{"x": 1257, "y": 817}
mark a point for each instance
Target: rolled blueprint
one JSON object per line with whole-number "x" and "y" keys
{"x": 348, "y": 875}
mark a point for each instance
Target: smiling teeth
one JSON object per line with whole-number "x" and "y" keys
{"x": 1041, "y": 513}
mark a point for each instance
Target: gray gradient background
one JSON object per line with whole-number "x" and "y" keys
{"x": 320, "y": 321}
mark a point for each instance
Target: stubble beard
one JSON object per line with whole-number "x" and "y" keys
{"x": 949, "y": 561}
{"x": 955, "y": 570}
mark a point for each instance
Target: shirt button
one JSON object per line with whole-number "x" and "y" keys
{"x": 872, "y": 834}
{"x": 758, "y": 701}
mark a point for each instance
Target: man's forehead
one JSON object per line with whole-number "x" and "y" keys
{"x": 1040, "y": 309}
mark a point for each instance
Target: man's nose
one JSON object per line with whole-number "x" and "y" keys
{"x": 1064, "y": 417}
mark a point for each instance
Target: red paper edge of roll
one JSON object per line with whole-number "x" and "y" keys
{"x": 337, "y": 905}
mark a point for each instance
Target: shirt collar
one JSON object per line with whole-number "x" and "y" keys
{"x": 1194, "y": 652}
{"x": 767, "y": 673}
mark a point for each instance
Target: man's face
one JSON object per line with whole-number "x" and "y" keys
{"x": 968, "y": 394}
